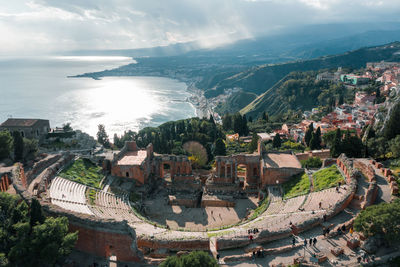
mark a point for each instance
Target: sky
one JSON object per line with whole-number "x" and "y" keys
{"x": 45, "y": 26}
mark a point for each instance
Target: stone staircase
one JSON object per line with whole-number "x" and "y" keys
{"x": 213, "y": 246}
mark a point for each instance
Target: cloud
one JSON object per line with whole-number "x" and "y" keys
{"x": 42, "y": 26}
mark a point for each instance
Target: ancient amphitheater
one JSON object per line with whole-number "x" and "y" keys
{"x": 110, "y": 225}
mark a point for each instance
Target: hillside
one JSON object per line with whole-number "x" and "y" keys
{"x": 262, "y": 80}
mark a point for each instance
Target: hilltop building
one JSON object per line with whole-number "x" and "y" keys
{"x": 29, "y": 128}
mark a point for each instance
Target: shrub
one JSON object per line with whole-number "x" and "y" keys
{"x": 312, "y": 162}
{"x": 382, "y": 219}
{"x": 193, "y": 259}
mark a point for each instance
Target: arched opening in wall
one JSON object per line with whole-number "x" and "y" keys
{"x": 178, "y": 171}
{"x": 228, "y": 171}
{"x": 166, "y": 171}
{"x": 127, "y": 174}
{"x": 255, "y": 172}
{"x": 241, "y": 174}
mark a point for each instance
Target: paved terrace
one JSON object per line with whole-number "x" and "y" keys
{"x": 281, "y": 160}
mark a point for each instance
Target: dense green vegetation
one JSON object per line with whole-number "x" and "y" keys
{"x": 327, "y": 178}
{"x": 6, "y": 144}
{"x": 344, "y": 142}
{"x": 236, "y": 123}
{"x": 381, "y": 219}
{"x": 29, "y": 239}
{"x": 85, "y": 172}
{"x": 24, "y": 149}
{"x": 298, "y": 185}
{"x": 169, "y": 138}
{"x": 312, "y": 162}
{"x": 193, "y": 259}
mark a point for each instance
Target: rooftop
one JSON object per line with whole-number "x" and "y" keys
{"x": 20, "y": 122}
{"x": 133, "y": 158}
{"x": 281, "y": 160}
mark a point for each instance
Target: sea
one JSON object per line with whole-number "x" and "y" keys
{"x": 39, "y": 87}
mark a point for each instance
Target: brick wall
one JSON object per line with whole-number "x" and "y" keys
{"x": 105, "y": 244}
{"x": 271, "y": 175}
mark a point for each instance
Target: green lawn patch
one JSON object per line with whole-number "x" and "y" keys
{"x": 85, "y": 172}
{"x": 327, "y": 178}
{"x": 298, "y": 185}
{"x": 260, "y": 209}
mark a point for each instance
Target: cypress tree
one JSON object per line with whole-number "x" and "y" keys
{"x": 276, "y": 142}
{"x": 336, "y": 147}
{"x": 308, "y": 135}
{"x": 245, "y": 128}
{"x": 254, "y": 143}
{"x": 220, "y": 148}
{"x": 36, "y": 215}
{"x": 18, "y": 146}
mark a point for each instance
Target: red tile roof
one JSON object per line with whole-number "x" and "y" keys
{"x": 20, "y": 122}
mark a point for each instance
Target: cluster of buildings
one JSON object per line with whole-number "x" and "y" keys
{"x": 352, "y": 117}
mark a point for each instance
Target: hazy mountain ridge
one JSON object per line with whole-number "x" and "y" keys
{"x": 273, "y": 102}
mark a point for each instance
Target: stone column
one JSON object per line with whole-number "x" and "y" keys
{"x": 218, "y": 169}
{"x": 226, "y": 170}
{"x": 232, "y": 172}
{"x": 235, "y": 171}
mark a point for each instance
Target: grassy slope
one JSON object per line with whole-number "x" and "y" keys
{"x": 327, "y": 178}
{"x": 298, "y": 185}
{"x": 85, "y": 172}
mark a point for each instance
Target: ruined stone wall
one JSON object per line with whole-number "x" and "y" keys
{"x": 217, "y": 203}
{"x": 100, "y": 237}
{"x": 322, "y": 154}
{"x": 271, "y": 175}
{"x": 39, "y": 166}
{"x": 188, "y": 203}
{"x": 178, "y": 245}
{"x": 4, "y": 182}
{"x": 366, "y": 169}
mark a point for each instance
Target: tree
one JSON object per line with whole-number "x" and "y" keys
{"x": 31, "y": 147}
{"x": 18, "y": 146}
{"x": 392, "y": 127}
{"x": 238, "y": 123}
{"x": 254, "y": 143}
{"x": 220, "y": 148}
{"x": 193, "y": 259}
{"x": 245, "y": 128}
{"x": 380, "y": 219}
{"x": 211, "y": 119}
{"x": 313, "y": 141}
{"x": 27, "y": 239}
{"x": 318, "y": 138}
{"x": 308, "y": 135}
{"x": 67, "y": 127}
{"x": 227, "y": 122}
{"x": 6, "y": 144}
{"x": 265, "y": 117}
{"x": 276, "y": 142}
{"x": 394, "y": 146}
{"x": 36, "y": 215}
{"x": 335, "y": 148}
{"x": 102, "y": 136}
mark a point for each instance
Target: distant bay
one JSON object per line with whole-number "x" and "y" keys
{"x": 38, "y": 87}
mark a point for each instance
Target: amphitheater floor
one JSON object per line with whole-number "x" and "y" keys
{"x": 197, "y": 219}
